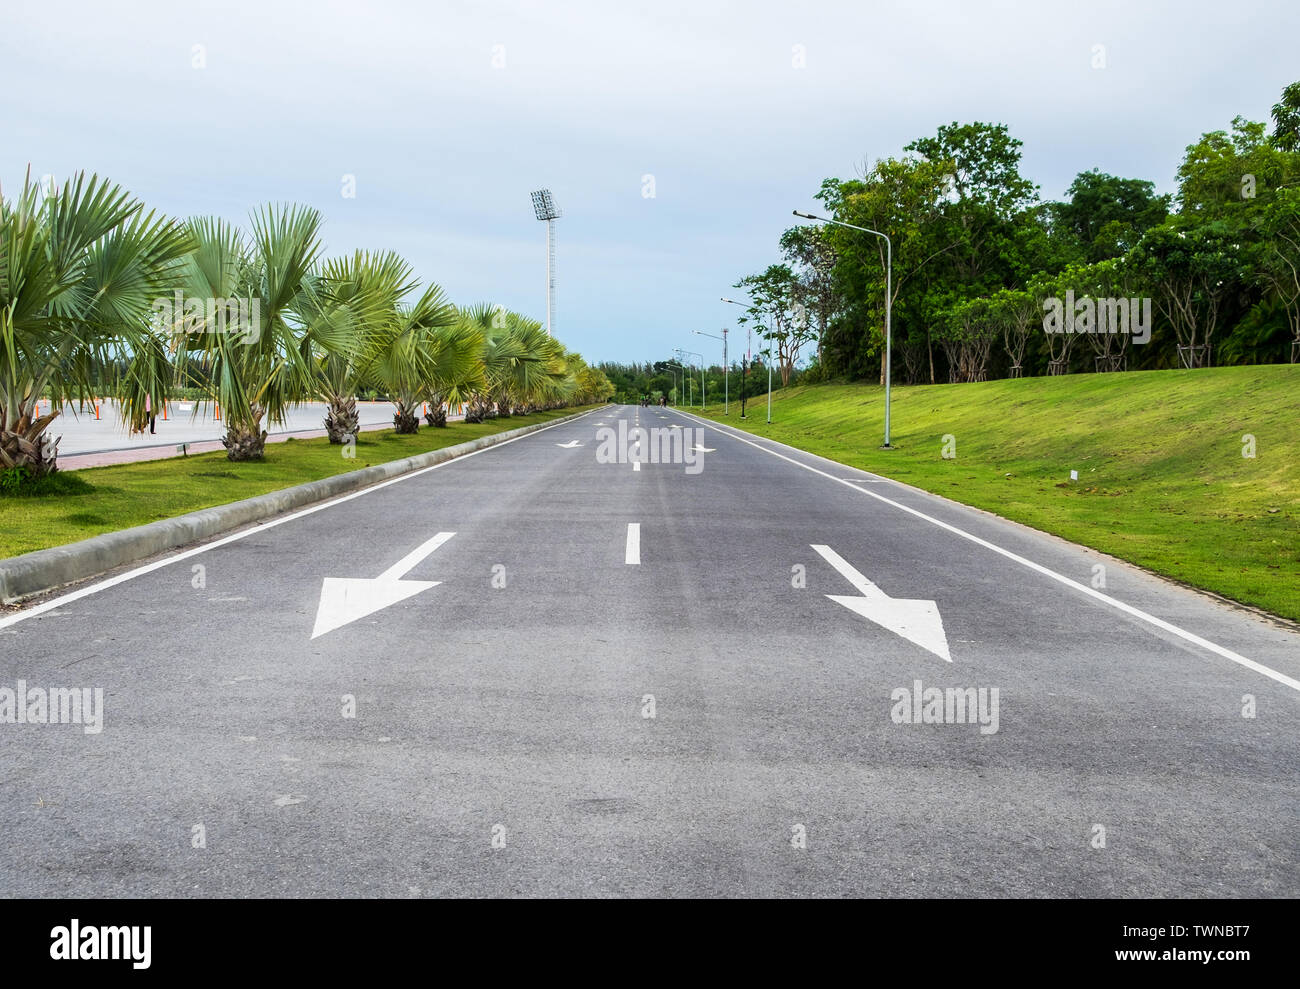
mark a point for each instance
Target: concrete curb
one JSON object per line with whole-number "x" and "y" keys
{"x": 46, "y": 569}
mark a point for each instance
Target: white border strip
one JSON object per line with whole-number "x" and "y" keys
{"x": 1128, "y": 609}
{"x": 122, "y": 578}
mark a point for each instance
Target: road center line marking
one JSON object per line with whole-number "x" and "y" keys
{"x": 633, "y": 553}
{"x": 1128, "y": 609}
{"x": 122, "y": 578}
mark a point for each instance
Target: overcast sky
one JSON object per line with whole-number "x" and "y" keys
{"x": 587, "y": 99}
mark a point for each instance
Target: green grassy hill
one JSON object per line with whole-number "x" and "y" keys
{"x": 1162, "y": 479}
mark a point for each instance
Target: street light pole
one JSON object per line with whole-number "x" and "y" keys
{"x": 703, "y": 387}
{"x": 744, "y": 369}
{"x": 675, "y": 379}
{"x": 889, "y": 299}
{"x": 681, "y": 356}
{"x": 726, "y": 369}
{"x": 769, "y": 378}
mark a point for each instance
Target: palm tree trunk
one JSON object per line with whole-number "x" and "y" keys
{"x": 478, "y": 409}
{"x": 246, "y": 440}
{"x": 342, "y": 421}
{"x": 25, "y": 445}
{"x": 405, "y": 421}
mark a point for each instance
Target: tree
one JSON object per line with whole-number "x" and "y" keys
{"x": 1193, "y": 269}
{"x": 1279, "y": 269}
{"x": 1017, "y": 312}
{"x": 455, "y": 369}
{"x": 408, "y": 353}
{"x": 1104, "y": 284}
{"x": 80, "y": 270}
{"x": 1059, "y": 345}
{"x": 1229, "y": 176}
{"x": 776, "y": 310}
{"x": 902, "y": 198}
{"x": 985, "y": 193}
{"x": 961, "y": 220}
{"x": 592, "y": 386}
{"x": 346, "y": 307}
{"x": 258, "y": 365}
{"x": 522, "y": 366}
{"x": 1286, "y": 119}
{"x": 967, "y": 332}
{"x": 1106, "y": 215}
{"x": 811, "y": 251}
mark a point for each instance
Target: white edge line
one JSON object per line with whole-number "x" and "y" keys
{"x": 1128, "y": 609}
{"x": 122, "y": 578}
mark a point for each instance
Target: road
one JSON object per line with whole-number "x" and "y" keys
{"x": 501, "y": 741}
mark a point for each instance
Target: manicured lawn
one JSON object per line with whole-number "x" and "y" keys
{"x": 1162, "y": 480}
{"x": 76, "y": 505}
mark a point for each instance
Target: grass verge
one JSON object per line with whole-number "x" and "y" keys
{"x": 69, "y": 506}
{"x": 1163, "y": 481}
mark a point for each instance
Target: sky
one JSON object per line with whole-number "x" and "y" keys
{"x": 676, "y": 137}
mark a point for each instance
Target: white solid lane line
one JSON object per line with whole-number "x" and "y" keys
{"x": 258, "y": 527}
{"x": 633, "y": 552}
{"x": 1128, "y": 609}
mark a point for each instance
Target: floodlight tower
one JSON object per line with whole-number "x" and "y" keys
{"x": 545, "y": 208}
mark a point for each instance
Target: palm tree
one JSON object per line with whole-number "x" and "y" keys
{"x": 403, "y": 353}
{"x": 263, "y": 365}
{"x": 522, "y": 365}
{"x": 457, "y": 373}
{"x": 346, "y": 307}
{"x": 80, "y": 271}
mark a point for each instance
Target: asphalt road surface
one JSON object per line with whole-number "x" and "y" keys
{"x": 656, "y": 679}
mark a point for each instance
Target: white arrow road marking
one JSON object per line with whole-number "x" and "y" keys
{"x": 568, "y": 446}
{"x": 916, "y": 621}
{"x": 674, "y": 426}
{"x": 633, "y": 553}
{"x": 704, "y": 449}
{"x": 345, "y": 599}
{"x": 636, "y": 465}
